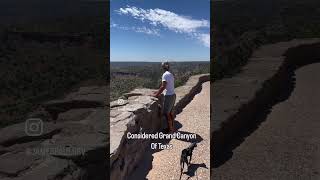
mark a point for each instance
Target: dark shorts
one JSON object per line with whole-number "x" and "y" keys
{"x": 168, "y": 104}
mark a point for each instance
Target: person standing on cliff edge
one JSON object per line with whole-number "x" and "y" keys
{"x": 167, "y": 86}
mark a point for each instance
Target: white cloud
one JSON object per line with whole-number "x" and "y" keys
{"x": 113, "y": 25}
{"x": 165, "y": 18}
{"x": 169, "y": 20}
{"x": 204, "y": 38}
{"x": 147, "y": 30}
{"x": 137, "y": 29}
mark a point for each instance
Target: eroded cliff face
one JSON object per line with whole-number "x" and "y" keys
{"x": 138, "y": 112}
{"x": 63, "y": 139}
{"x": 241, "y": 103}
{"x": 68, "y": 138}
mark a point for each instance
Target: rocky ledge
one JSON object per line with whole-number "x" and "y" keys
{"x": 64, "y": 139}
{"x": 67, "y": 139}
{"x": 139, "y": 112}
{"x": 240, "y": 103}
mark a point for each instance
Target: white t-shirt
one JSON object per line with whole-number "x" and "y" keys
{"x": 168, "y": 77}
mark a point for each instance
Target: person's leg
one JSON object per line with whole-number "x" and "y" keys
{"x": 172, "y": 117}
{"x": 168, "y": 106}
{"x": 170, "y": 123}
{"x": 171, "y": 111}
{"x": 165, "y": 112}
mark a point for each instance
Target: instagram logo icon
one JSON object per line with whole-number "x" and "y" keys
{"x": 33, "y": 127}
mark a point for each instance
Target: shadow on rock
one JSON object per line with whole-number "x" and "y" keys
{"x": 144, "y": 167}
{"x": 192, "y": 169}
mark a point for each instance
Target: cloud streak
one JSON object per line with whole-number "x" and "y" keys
{"x": 170, "y": 20}
{"x": 147, "y": 31}
{"x": 143, "y": 29}
{"x": 204, "y": 38}
{"x": 165, "y": 18}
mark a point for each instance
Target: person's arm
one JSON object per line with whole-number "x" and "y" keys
{"x": 162, "y": 87}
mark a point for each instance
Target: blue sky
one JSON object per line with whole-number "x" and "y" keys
{"x": 157, "y": 30}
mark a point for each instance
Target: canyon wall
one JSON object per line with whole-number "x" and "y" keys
{"x": 67, "y": 138}
{"x": 241, "y": 103}
{"x": 138, "y": 112}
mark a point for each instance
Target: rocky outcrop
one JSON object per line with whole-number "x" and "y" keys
{"x": 240, "y": 103}
{"x": 66, "y": 139}
{"x": 138, "y": 112}
{"x": 186, "y": 92}
{"x": 85, "y": 97}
